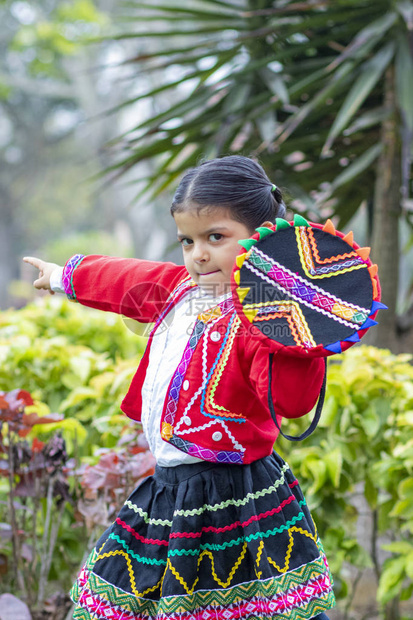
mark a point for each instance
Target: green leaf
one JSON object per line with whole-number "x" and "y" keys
{"x": 318, "y": 471}
{"x": 406, "y": 593}
{"x": 357, "y": 166}
{"x": 405, "y": 8}
{"x": 409, "y": 565}
{"x": 368, "y": 119}
{"x": 391, "y": 579}
{"x": 370, "y": 422}
{"x": 169, "y": 9}
{"x": 370, "y": 75}
{"x": 78, "y": 395}
{"x": 367, "y": 38}
{"x": 403, "y": 508}
{"x": 404, "y": 80}
{"x": 405, "y": 489}
{"x": 72, "y": 430}
{"x": 81, "y": 367}
{"x": 276, "y": 84}
{"x": 340, "y": 78}
{"x": 401, "y": 546}
{"x": 334, "y": 462}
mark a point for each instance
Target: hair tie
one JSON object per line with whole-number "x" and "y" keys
{"x": 273, "y": 188}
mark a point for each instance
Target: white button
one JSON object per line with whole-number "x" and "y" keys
{"x": 187, "y": 420}
{"x": 217, "y": 436}
{"x": 215, "y": 336}
{"x": 185, "y": 385}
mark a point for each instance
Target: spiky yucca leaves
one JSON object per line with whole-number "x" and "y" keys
{"x": 321, "y": 92}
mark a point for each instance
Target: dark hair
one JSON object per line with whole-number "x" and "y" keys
{"x": 236, "y": 183}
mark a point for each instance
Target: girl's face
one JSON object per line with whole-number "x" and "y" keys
{"x": 209, "y": 243}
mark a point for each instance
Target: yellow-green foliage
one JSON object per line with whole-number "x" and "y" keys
{"x": 79, "y": 363}
{"x": 74, "y": 361}
{"x": 364, "y": 442}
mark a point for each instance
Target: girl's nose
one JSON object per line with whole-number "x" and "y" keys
{"x": 200, "y": 253}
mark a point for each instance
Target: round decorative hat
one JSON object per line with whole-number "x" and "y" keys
{"x": 305, "y": 287}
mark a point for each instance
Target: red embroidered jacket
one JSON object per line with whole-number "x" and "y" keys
{"x": 216, "y": 406}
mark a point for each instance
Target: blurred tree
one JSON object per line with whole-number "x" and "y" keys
{"x": 320, "y": 91}
{"x": 51, "y": 85}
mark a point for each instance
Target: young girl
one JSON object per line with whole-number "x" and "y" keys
{"x": 221, "y": 530}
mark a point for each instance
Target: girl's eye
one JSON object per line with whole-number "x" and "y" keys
{"x": 215, "y": 237}
{"x": 186, "y": 241}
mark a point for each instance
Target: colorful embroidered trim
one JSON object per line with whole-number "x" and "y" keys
{"x": 314, "y": 266}
{"x": 177, "y": 379}
{"x": 238, "y": 502}
{"x": 289, "y": 310}
{"x": 185, "y": 285}
{"x": 207, "y": 454}
{"x": 204, "y": 322}
{"x": 208, "y": 407}
{"x": 305, "y": 292}
{"x": 287, "y": 526}
{"x": 67, "y": 277}
{"x": 301, "y": 593}
{"x": 214, "y": 422}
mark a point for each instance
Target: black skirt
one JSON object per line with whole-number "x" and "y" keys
{"x": 207, "y": 542}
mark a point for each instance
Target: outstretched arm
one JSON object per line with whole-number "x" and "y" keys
{"x": 135, "y": 288}
{"x": 45, "y": 272}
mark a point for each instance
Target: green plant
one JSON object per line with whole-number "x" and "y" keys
{"x": 360, "y": 457}
{"x": 47, "y": 523}
{"x": 364, "y": 445}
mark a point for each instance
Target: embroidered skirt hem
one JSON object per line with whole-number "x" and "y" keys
{"x": 208, "y": 542}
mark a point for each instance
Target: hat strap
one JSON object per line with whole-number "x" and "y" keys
{"x": 318, "y": 410}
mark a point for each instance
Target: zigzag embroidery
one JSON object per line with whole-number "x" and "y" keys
{"x": 209, "y": 528}
{"x": 237, "y": 541}
{"x": 235, "y": 502}
{"x": 300, "y": 592}
{"x": 223, "y": 584}
{"x": 289, "y": 310}
{"x": 217, "y": 368}
{"x": 205, "y": 551}
{"x": 145, "y": 515}
{"x": 190, "y": 431}
{"x": 136, "y": 556}
{"x": 178, "y": 377}
{"x": 300, "y": 299}
{"x": 313, "y": 287}
{"x": 308, "y": 252}
{"x": 130, "y": 571}
{"x": 213, "y": 315}
{"x": 209, "y": 507}
{"x": 195, "y": 430}
{"x": 217, "y": 371}
{"x": 204, "y": 374}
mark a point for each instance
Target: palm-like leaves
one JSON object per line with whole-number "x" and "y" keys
{"x": 273, "y": 79}
{"x": 314, "y": 89}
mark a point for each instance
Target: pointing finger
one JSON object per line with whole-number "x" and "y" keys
{"x": 32, "y": 260}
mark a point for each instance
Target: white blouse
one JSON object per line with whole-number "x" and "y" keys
{"x": 167, "y": 348}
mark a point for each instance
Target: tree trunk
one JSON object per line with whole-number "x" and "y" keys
{"x": 386, "y": 214}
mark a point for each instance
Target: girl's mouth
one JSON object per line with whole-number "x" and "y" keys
{"x": 208, "y": 273}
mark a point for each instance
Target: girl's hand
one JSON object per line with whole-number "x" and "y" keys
{"x": 45, "y": 271}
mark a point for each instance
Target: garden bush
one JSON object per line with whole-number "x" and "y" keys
{"x": 69, "y": 457}
{"x": 364, "y": 444}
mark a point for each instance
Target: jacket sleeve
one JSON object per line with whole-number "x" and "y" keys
{"x": 296, "y": 381}
{"x": 135, "y": 288}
